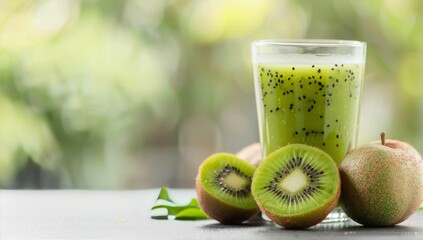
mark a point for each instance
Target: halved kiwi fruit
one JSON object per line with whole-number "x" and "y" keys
{"x": 297, "y": 186}
{"x": 223, "y": 187}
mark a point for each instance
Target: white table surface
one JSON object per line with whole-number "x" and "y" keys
{"x": 74, "y": 214}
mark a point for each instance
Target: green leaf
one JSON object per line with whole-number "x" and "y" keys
{"x": 166, "y": 208}
{"x": 420, "y": 208}
{"x": 191, "y": 214}
{"x": 164, "y": 195}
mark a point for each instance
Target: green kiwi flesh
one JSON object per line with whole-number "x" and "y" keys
{"x": 223, "y": 187}
{"x": 297, "y": 186}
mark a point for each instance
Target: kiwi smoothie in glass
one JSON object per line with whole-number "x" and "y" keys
{"x": 308, "y": 91}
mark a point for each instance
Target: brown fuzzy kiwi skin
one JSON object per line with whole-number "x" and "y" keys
{"x": 220, "y": 211}
{"x": 251, "y": 153}
{"x": 382, "y": 185}
{"x": 306, "y": 220}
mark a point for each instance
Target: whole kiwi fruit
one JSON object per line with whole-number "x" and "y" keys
{"x": 251, "y": 153}
{"x": 382, "y": 182}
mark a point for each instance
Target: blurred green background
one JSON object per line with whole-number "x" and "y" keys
{"x": 124, "y": 94}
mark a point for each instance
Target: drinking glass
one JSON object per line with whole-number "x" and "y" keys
{"x": 308, "y": 92}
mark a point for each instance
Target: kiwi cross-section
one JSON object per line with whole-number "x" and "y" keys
{"x": 223, "y": 187}
{"x": 297, "y": 186}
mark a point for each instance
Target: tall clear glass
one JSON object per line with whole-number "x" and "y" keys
{"x": 308, "y": 91}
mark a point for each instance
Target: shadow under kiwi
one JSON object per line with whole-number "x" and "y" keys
{"x": 254, "y": 222}
{"x": 390, "y": 230}
{"x": 349, "y": 228}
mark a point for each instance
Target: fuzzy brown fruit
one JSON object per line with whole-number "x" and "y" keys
{"x": 382, "y": 182}
{"x": 251, "y": 153}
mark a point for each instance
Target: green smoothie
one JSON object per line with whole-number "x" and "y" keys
{"x": 316, "y": 105}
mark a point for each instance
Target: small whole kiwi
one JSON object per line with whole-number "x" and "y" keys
{"x": 251, "y": 153}
{"x": 382, "y": 182}
{"x": 223, "y": 186}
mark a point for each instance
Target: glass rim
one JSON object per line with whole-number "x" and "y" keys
{"x": 309, "y": 42}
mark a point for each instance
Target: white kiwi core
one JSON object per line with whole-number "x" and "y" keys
{"x": 295, "y": 181}
{"x": 235, "y": 181}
